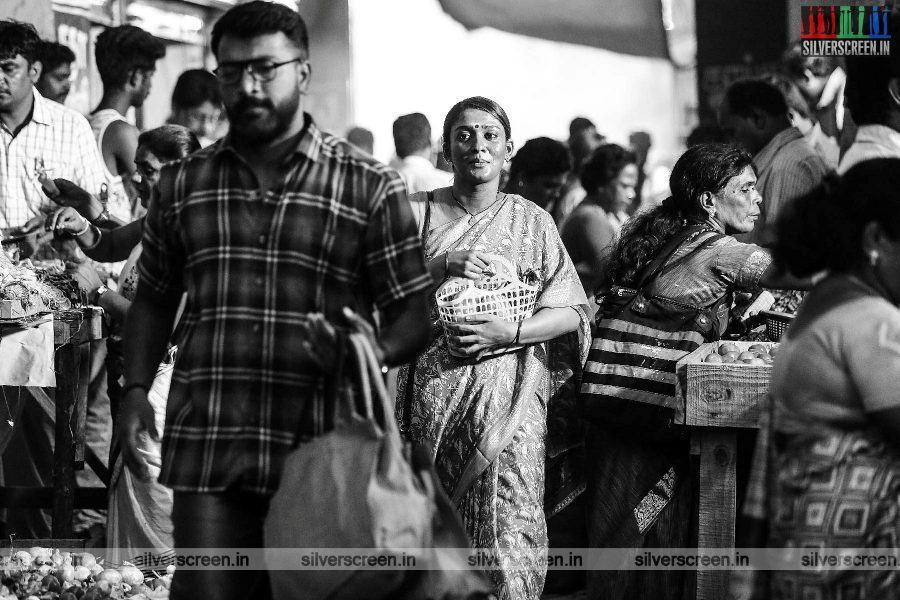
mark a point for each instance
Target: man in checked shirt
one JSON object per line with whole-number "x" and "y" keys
{"x": 277, "y": 232}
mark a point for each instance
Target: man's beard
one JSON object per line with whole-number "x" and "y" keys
{"x": 261, "y": 129}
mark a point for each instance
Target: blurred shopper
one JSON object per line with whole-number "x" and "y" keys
{"x": 640, "y": 143}
{"x": 754, "y": 114}
{"x": 56, "y": 71}
{"x": 197, "y": 105}
{"x": 539, "y": 171}
{"x": 485, "y": 418}
{"x": 278, "y": 254}
{"x": 140, "y": 511}
{"x": 362, "y": 138}
{"x": 583, "y": 140}
{"x": 873, "y": 97}
{"x": 671, "y": 277}
{"x": 804, "y": 120}
{"x": 412, "y": 142}
{"x": 610, "y": 176}
{"x": 126, "y": 61}
{"x": 833, "y": 463}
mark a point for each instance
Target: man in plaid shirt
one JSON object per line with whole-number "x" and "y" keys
{"x": 275, "y": 232}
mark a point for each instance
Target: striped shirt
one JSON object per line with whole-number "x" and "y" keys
{"x": 63, "y": 140}
{"x": 787, "y": 168}
{"x": 335, "y": 230}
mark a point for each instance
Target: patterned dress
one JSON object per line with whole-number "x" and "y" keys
{"x": 486, "y": 422}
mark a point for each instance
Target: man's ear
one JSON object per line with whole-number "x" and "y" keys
{"x": 304, "y": 69}
{"x": 34, "y": 71}
{"x": 134, "y": 77}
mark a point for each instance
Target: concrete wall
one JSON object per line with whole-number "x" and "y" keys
{"x": 37, "y": 12}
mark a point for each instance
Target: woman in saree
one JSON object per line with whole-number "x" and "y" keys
{"x": 832, "y": 475}
{"x": 684, "y": 264}
{"x": 485, "y": 418}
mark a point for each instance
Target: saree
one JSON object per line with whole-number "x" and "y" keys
{"x": 485, "y": 422}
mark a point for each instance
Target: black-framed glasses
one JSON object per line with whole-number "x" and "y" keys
{"x": 260, "y": 70}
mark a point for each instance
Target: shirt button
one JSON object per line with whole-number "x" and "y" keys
{"x": 259, "y": 281}
{"x": 256, "y": 328}
{"x": 262, "y": 240}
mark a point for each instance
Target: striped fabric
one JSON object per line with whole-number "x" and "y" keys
{"x": 635, "y": 362}
{"x": 61, "y": 139}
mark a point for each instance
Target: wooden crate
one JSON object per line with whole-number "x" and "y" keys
{"x": 722, "y": 394}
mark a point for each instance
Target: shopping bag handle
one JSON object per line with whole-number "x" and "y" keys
{"x": 372, "y": 383}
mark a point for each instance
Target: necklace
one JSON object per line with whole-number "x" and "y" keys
{"x": 468, "y": 212}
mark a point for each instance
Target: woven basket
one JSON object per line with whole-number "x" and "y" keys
{"x": 776, "y": 323}
{"x": 502, "y": 295}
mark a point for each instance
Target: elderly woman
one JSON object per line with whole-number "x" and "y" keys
{"x": 139, "y": 510}
{"x": 672, "y": 274}
{"x": 485, "y": 418}
{"x": 831, "y": 448}
{"x": 609, "y": 176}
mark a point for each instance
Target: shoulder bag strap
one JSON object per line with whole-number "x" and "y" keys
{"x": 650, "y": 272}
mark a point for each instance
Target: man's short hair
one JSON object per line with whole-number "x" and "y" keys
{"x": 18, "y": 38}
{"x": 195, "y": 87}
{"x": 580, "y": 124}
{"x": 362, "y": 138}
{"x": 53, "y": 55}
{"x": 868, "y": 97}
{"x": 541, "y": 156}
{"x": 260, "y": 18}
{"x": 123, "y": 49}
{"x": 746, "y": 96}
{"x": 412, "y": 133}
{"x": 792, "y": 94}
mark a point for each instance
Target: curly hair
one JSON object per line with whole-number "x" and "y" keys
{"x": 123, "y": 49}
{"x": 257, "y": 18}
{"x": 604, "y": 165}
{"x": 703, "y": 168}
{"x": 169, "y": 142}
{"x": 824, "y": 229}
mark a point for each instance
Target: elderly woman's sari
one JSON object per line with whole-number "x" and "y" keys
{"x": 486, "y": 421}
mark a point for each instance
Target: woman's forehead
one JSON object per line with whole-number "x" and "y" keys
{"x": 476, "y": 118}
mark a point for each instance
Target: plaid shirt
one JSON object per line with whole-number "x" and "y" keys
{"x": 63, "y": 139}
{"x": 335, "y": 230}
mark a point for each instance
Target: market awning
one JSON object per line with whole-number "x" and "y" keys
{"x": 626, "y": 26}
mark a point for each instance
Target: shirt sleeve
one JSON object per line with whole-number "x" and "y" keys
{"x": 872, "y": 354}
{"x": 742, "y": 264}
{"x": 161, "y": 264}
{"x": 395, "y": 263}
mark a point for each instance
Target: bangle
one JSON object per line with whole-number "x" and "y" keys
{"x": 87, "y": 225}
{"x": 96, "y": 241}
{"x": 518, "y": 332}
{"x": 132, "y": 386}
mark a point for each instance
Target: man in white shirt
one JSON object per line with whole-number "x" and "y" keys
{"x": 36, "y": 133}
{"x": 873, "y": 97}
{"x": 412, "y": 141}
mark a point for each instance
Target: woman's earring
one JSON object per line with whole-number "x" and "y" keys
{"x": 873, "y": 258}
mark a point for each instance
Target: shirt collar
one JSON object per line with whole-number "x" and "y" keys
{"x": 765, "y": 156}
{"x": 41, "y": 113}
{"x": 309, "y": 144}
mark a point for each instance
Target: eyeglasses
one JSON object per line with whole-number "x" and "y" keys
{"x": 260, "y": 70}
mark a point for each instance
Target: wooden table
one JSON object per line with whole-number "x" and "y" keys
{"x": 68, "y": 409}
{"x": 715, "y": 417}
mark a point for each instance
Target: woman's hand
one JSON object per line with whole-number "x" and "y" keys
{"x": 467, "y": 263}
{"x": 477, "y": 334}
{"x": 67, "y": 220}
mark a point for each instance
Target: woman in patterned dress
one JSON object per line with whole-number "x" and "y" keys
{"x": 485, "y": 418}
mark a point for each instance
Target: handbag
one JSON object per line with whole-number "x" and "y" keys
{"x": 629, "y": 379}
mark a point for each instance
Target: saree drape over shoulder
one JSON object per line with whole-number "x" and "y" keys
{"x": 486, "y": 422}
